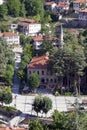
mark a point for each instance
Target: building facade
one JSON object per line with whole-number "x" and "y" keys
{"x": 10, "y": 38}
{"x": 29, "y": 27}
{"x": 39, "y": 65}
{"x": 78, "y": 4}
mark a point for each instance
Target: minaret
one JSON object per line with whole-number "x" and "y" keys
{"x": 61, "y": 37}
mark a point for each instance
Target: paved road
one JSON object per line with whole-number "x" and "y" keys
{"x": 61, "y": 103}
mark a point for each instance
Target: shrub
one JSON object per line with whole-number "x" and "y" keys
{"x": 68, "y": 93}
{"x": 57, "y": 93}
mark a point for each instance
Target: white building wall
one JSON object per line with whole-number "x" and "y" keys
{"x": 12, "y": 40}
{"x": 1, "y": 2}
{"x": 34, "y": 29}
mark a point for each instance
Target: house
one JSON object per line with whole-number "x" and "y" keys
{"x": 39, "y": 65}
{"x": 82, "y": 19}
{"x": 10, "y": 37}
{"x": 78, "y": 4}
{"x": 29, "y": 27}
{"x": 50, "y": 5}
{"x": 83, "y": 15}
{"x": 37, "y": 41}
{"x": 62, "y": 7}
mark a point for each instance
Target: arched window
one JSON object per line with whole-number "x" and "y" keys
{"x": 47, "y": 80}
{"x": 38, "y": 72}
{"x": 51, "y": 80}
{"x": 55, "y": 81}
{"x": 29, "y": 72}
{"x": 42, "y": 72}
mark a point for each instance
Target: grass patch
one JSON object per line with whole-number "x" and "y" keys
{"x": 9, "y": 108}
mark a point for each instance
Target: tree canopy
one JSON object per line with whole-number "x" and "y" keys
{"x": 6, "y": 62}
{"x": 34, "y": 81}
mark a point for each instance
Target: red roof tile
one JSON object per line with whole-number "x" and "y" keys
{"x": 9, "y": 34}
{"x": 49, "y": 3}
{"x": 8, "y": 128}
{"x": 80, "y": 1}
{"x": 39, "y": 62}
{"x": 37, "y": 38}
{"x": 83, "y": 11}
{"x": 62, "y": 5}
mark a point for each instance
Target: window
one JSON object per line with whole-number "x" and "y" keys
{"x": 38, "y": 72}
{"x": 47, "y": 80}
{"x": 51, "y": 80}
{"x": 29, "y": 72}
{"x": 55, "y": 81}
{"x": 42, "y": 72}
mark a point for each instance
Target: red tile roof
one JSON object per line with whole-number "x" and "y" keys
{"x": 8, "y": 128}
{"x": 39, "y": 62}
{"x": 80, "y": 1}
{"x": 49, "y": 3}
{"x": 26, "y": 22}
{"x": 75, "y": 31}
{"x": 37, "y": 38}
{"x": 9, "y": 34}
{"x": 29, "y": 20}
{"x": 62, "y": 5}
{"x": 83, "y": 11}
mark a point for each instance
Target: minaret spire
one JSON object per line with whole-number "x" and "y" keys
{"x": 61, "y": 37}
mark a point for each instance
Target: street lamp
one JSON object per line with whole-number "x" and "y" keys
{"x": 15, "y": 100}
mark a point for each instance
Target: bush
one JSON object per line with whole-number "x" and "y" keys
{"x": 68, "y": 93}
{"x": 9, "y": 108}
{"x": 57, "y": 93}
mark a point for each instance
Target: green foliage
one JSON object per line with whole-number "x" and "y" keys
{"x": 14, "y": 7}
{"x": 34, "y": 81}
{"x": 42, "y": 104}
{"x": 27, "y": 55}
{"x": 5, "y": 96}
{"x": 57, "y": 93}
{"x": 6, "y": 62}
{"x": 34, "y": 8}
{"x": 46, "y": 47}
{"x": 9, "y": 74}
{"x": 68, "y": 62}
{"x": 22, "y": 12}
{"x": 47, "y": 104}
{"x": 3, "y": 11}
{"x": 68, "y": 94}
{"x": 37, "y": 105}
{"x": 9, "y": 108}
{"x": 4, "y": 28}
{"x": 35, "y": 125}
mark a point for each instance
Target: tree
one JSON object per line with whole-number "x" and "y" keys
{"x": 14, "y": 7}
{"x": 5, "y": 96}
{"x": 34, "y": 81}
{"x": 9, "y": 74}
{"x": 42, "y": 104}
{"x": 34, "y": 8}
{"x": 27, "y": 55}
{"x": 35, "y": 125}
{"x": 37, "y": 105}
{"x": 6, "y": 61}
{"x": 68, "y": 62}
{"x": 22, "y": 12}
{"x": 47, "y": 104}
{"x": 46, "y": 47}
{"x": 3, "y": 11}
